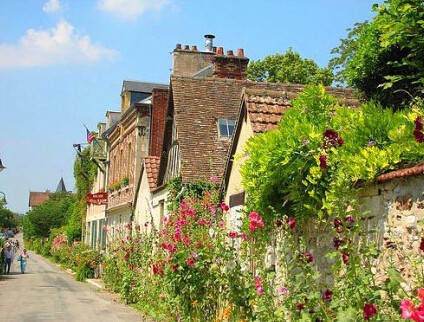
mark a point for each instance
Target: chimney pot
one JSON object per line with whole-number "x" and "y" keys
{"x": 220, "y": 51}
{"x": 194, "y": 48}
{"x": 240, "y": 52}
{"x": 209, "y": 42}
{"x": 214, "y": 49}
{"x": 186, "y": 47}
{"x": 230, "y": 53}
{"x": 178, "y": 46}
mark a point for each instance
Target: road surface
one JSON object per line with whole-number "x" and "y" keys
{"x": 47, "y": 293}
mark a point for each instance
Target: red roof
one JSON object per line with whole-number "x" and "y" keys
{"x": 401, "y": 173}
{"x": 151, "y": 164}
{"x": 37, "y": 198}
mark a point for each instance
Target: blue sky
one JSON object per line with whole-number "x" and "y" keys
{"x": 62, "y": 63}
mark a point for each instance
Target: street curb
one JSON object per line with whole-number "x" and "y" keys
{"x": 92, "y": 282}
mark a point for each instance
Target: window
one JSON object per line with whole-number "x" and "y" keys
{"x": 226, "y": 128}
{"x": 121, "y": 165}
{"x": 129, "y": 161}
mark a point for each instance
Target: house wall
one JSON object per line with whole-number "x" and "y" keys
{"x": 142, "y": 211}
{"x": 235, "y": 180}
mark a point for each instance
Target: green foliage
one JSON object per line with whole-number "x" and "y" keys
{"x": 7, "y": 220}
{"x": 289, "y": 68}
{"x": 283, "y": 174}
{"x": 53, "y": 213}
{"x": 383, "y": 58}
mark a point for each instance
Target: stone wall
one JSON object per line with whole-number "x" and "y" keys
{"x": 393, "y": 210}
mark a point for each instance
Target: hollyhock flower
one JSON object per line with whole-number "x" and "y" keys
{"x": 308, "y": 256}
{"x": 172, "y": 192}
{"x": 127, "y": 256}
{"x": 252, "y": 227}
{"x": 323, "y": 162}
{"x": 372, "y": 143}
{"x": 187, "y": 241}
{"x": 221, "y": 224}
{"x": 255, "y": 221}
{"x": 194, "y": 255}
{"x": 330, "y": 134}
{"x": 350, "y": 219}
{"x": 418, "y": 123}
{"x": 305, "y": 142}
{"x": 337, "y": 223}
{"x": 233, "y": 234}
{"x": 214, "y": 178}
{"x": 419, "y": 136}
{"x": 422, "y": 244}
{"x": 337, "y": 242}
{"x": 369, "y": 311}
{"x": 327, "y": 295}
{"x": 174, "y": 268}
{"x": 259, "y": 286}
{"x": 421, "y": 294}
{"x": 245, "y": 237}
{"x": 291, "y": 222}
{"x": 198, "y": 244}
{"x": 300, "y": 306}
{"x": 408, "y": 310}
{"x": 224, "y": 206}
{"x": 190, "y": 262}
{"x": 283, "y": 290}
{"x": 340, "y": 141}
{"x": 345, "y": 258}
{"x": 278, "y": 223}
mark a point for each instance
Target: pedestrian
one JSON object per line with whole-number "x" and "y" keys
{"x": 23, "y": 259}
{"x": 9, "y": 258}
{"x": 17, "y": 245}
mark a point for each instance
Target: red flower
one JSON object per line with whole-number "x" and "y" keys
{"x": 345, "y": 258}
{"x": 291, "y": 222}
{"x": 323, "y": 162}
{"x": 225, "y": 207}
{"x": 327, "y": 295}
{"x": 419, "y": 123}
{"x": 337, "y": 223}
{"x": 340, "y": 141}
{"x": 233, "y": 234}
{"x": 127, "y": 256}
{"x": 330, "y": 134}
{"x": 255, "y": 221}
{"x": 300, "y": 306}
{"x": 422, "y": 244}
{"x": 419, "y": 136}
{"x": 308, "y": 256}
{"x": 369, "y": 311}
{"x": 337, "y": 242}
{"x": 174, "y": 268}
{"x": 199, "y": 244}
{"x": 278, "y": 223}
{"x": 408, "y": 310}
{"x": 190, "y": 262}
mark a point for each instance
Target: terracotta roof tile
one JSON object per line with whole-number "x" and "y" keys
{"x": 401, "y": 173}
{"x": 198, "y": 103}
{"x": 151, "y": 164}
{"x": 37, "y": 198}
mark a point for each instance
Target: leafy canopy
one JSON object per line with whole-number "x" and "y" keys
{"x": 285, "y": 176}
{"x": 288, "y": 68}
{"x": 383, "y": 58}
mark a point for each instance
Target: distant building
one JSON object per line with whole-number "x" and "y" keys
{"x": 37, "y": 198}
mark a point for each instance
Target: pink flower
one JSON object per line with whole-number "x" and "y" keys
{"x": 214, "y": 179}
{"x": 255, "y": 221}
{"x": 186, "y": 240}
{"x": 259, "y": 286}
{"x": 221, "y": 224}
{"x": 194, "y": 255}
{"x": 283, "y": 290}
{"x": 291, "y": 222}
{"x": 369, "y": 311}
{"x": 408, "y": 310}
{"x": 225, "y": 207}
{"x": 421, "y": 294}
{"x": 323, "y": 162}
{"x": 190, "y": 262}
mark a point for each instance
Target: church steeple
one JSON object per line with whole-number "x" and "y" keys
{"x": 61, "y": 186}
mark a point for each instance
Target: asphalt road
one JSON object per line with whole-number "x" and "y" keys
{"x": 47, "y": 293}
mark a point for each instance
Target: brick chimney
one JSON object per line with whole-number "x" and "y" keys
{"x": 230, "y": 66}
{"x": 159, "y": 108}
{"x": 186, "y": 62}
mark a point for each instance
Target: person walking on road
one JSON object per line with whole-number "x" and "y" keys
{"x": 23, "y": 259}
{"x": 9, "y": 258}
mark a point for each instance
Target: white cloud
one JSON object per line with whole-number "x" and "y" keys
{"x": 59, "y": 45}
{"x": 131, "y": 9}
{"x": 52, "y": 6}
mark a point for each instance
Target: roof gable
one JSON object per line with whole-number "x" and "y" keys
{"x": 37, "y": 198}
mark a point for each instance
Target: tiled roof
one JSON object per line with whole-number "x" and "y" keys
{"x": 37, "y": 198}
{"x": 199, "y": 102}
{"x": 151, "y": 165}
{"x": 401, "y": 173}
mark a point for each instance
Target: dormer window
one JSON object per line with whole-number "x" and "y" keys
{"x": 226, "y": 128}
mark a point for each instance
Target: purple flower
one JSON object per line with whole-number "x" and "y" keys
{"x": 283, "y": 290}
{"x": 305, "y": 142}
{"x": 372, "y": 143}
{"x": 327, "y": 295}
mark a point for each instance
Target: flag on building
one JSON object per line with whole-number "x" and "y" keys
{"x": 90, "y": 137}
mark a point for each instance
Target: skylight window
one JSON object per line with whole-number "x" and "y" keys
{"x": 226, "y": 128}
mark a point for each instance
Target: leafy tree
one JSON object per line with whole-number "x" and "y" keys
{"x": 383, "y": 58}
{"x": 289, "y": 68}
{"x": 6, "y": 217}
{"x": 53, "y": 213}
